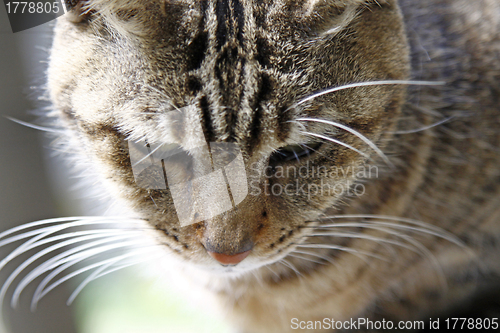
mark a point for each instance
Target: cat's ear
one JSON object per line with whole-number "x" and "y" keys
{"x": 125, "y": 18}
{"x": 131, "y": 18}
{"x": 79, "y": 11}
{"x": 328, "y": 17}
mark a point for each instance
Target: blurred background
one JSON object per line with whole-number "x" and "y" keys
{"x": 35, "y": 185}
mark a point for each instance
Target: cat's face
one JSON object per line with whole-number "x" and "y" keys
{"x": 185, "y": 74}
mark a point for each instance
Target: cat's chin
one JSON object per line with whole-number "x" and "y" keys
{"x": 230, "y": 271}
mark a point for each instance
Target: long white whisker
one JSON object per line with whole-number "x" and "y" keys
{"x": 436, "y": 231}
{"x": 100, "y": 273}
{"x": 439, "y": 270}
{"x": 162, "y": 93}
{"x": 304, "y": 258}
{"x": 46, "y": 281}
{"x": 37, "y": 127}
{"x": 45, "y": 232}
{"x": 341, "y": 248}
{"x": 425, "y": 127}
{"x": 417, "y": 245}
{"x": 148, "y": 155}
{"x": 373, "y": 224}
{"x": 75, "y": 220}
{"x": 24, "y": 235}
{"x": 362, "y": 236}
{"x": 23, "y": 248}
{"x": 65, "y": 257}
{"x": 289, "y": 265}
{"x": 366, "y": 84}
{"x": 272, "y": 271}
{"x": 73, "y": 260}
{"x": 90, "y": 278}
{"x": 168, "y": 98}
{"x": 352, "y": 131}
{"x": 337, "y": 142}
{"x": 316, "y": 255}
{"x": 80, "y": 271}
{"x": 42, "y": 253}
{"x": 43, "y": 222}
{"x": 39, "y": 241}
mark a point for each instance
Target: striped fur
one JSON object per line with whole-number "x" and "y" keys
{"x": 241, "y": 68}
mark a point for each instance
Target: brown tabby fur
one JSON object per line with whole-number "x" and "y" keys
{"x": 115, "y": 72}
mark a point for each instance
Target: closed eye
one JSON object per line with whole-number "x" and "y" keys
{"x": 294, "y": 152}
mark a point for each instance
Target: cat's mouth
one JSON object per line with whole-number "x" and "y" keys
{"x": 247, "y": 264}
{"x": 259, "y": 251}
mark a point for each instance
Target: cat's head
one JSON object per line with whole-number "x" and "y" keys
{"x": 210, "y": 114}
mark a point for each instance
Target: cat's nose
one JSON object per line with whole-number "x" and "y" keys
{"x": 229, "y": 259}
{"x": 228, "y": 250}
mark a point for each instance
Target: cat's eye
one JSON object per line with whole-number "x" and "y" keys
{"x": 294, "y": 152}
{"x": 80, "y": 11}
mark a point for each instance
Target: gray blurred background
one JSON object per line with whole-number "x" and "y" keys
{"x": 25, "y": 193}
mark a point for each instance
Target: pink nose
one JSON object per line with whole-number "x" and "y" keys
{"x": 227, "y": 259}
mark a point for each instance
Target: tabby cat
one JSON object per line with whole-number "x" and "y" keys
{"x": 367, "y": 133}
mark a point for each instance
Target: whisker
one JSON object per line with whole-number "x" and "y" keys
{"x": 424, "y": 128}
{"x": 37, "y": 127}
{"x": 39, "y": 223}
{"x": 317, "y": 255}
{"x": 272, "y": 271}
{"x": 23, "y": 248}
{"x": 354, "y": 132}
{"x": 78, "y": 272}
{"x": 303, "y": 258}
{"x": 64, "y": 257}
{"x": 393, "y": 225}
{"x": 289, "y": 265}
{"x": 38, "y": 241}
{"x": 366, "y": 84}
{"x": 425, "y": 227}
{"x": 23, "y": 236}
{"x": 82, "y": 285}
{"x": 149, "y": 154}
{"x": 318, "y": 152}
{"x": 99, "y": 272}
{"x": 337, "y": 142}
{"x": 73, "y": 260}
{"x": 154, "y": 201}
{"x": 167, "y": 98}
{"x": 162, "y": 93}
{"x": 38, "y": 271}
{"x": 423, "y": 250}
{"x": 438, "y": 268}
{"x": 258, "y": 277}
{"x": 105, "y": 220}
{"x": 367, "y": 237}
{"x": 341, "y": 248}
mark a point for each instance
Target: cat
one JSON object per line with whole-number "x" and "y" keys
{"x": 364, "y": 136}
